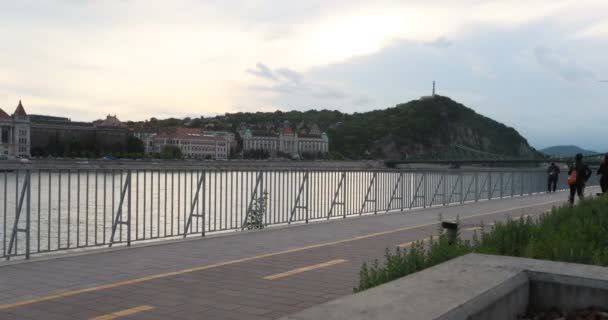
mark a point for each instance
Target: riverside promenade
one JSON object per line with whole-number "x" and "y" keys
{"x": 250, "y": 275}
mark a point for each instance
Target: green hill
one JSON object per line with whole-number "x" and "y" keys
{"x": 566, "y": 151}
{"x": 425, "y": 128}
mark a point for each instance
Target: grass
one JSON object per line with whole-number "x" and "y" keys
{"x": 578, "y": 234}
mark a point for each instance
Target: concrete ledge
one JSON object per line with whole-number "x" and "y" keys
{"x": 473, "y": 287}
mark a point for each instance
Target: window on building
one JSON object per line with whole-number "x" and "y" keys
{"x": 4, "y": 137}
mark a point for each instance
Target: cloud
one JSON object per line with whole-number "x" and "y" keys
{"x": 262, "y": 71}
{"x": 290, "y": 82}
{"x": 596, "y": 30}
{"x": 289, "y": 75}
{"x": 440, "y": 43}
{"x": 569, "y": 70}
{"x": 280, "y": 75}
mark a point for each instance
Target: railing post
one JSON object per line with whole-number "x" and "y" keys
{"x": 19, "y": 199}
{"x": 254, "y": 196}
{"x": 334, "y": 201}
{"x": 375, "y": 193}
{"x": 444, "y": 187}
{"x": 27, "y": 214}
{"x": 424, "y": 190}
{"x": 129, "y": 209}
{"x": 118, "y": 221}
{"x": 490, "y": 186}
{"x": 460, "y": 176}
{"x": 416, "y": 192}
{"x": 402, "y": 191}
{"x": 204, "y": 208}
{"x": 307, "y": 194}
{"x": 512, "y": 184}
{"x": 501, "y": 184}
{"x": 344, "y": 196}
{"x": 395, "y": 188}
{"x": 476, "y": 186}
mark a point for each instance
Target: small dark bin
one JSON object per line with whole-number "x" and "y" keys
{"x": 451, "y": 229}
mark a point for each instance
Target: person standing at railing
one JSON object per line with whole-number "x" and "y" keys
{"x": 553, "y": 175}
{"x": 603, "y": 172}
{"x": 578, "y": 174}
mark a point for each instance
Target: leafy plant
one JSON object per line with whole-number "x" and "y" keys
{"x": 578, "y": 235}
{"x": 255, "y": 219}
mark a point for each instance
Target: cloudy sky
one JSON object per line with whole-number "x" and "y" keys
{"x": 534, "y": 65}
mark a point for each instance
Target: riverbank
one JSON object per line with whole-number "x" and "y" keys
{"x": 63, "y": 164}
{"x": 212, "y": 164}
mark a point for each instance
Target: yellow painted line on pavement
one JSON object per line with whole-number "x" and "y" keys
{"x": 304, "y": 269}
{"x": 231, "y": 262}
{"x": 124, "y": 313}
{"x": 407, "y": 244}
{"x": 488, "y": 225}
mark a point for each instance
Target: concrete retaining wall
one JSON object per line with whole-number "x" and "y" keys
{"x": 473, "y": 287}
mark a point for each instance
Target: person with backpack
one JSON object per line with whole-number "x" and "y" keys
{"x": 578, "y": 174}
{"x": 603, "y": 172}
{"x": 553, "y": 175}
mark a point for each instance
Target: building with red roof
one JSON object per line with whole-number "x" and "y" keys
{"x": 286, "y": 141}
{"x": 194, "y": 143}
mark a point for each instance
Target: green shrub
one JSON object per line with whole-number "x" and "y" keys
{"x": 578, "y": 235}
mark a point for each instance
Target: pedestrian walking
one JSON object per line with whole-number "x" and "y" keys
{"x": 552, "y": 177}
{"x": 578, "y": 174}
{"x": 603, "y": 172}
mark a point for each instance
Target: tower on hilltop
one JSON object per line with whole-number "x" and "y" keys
{"x": 433, "y": 94}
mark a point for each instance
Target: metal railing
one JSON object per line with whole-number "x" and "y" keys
{"x": 59, "y": 208}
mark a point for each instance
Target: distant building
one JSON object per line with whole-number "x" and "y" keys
{"x": 61, "y": 136}
{"x": 110, "y": 121}
{"x": 147, "y": 136}
{"x": 229, "y": 136}
{"x": 287, "y": 141}
{"x": 194, "y": 143}
{"x": 15, "y": 133}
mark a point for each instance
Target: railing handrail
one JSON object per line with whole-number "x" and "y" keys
{"x": 214, "y": 166}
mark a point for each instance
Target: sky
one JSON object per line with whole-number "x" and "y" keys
{"x": 535, "y": 65}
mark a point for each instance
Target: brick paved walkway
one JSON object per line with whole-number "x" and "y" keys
{"x": 256, "y": 275}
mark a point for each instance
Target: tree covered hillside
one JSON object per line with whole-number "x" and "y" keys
{"x": 425, "y": 127}
{"x": 420, "y": 128}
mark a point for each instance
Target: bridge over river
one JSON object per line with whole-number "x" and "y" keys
{"x": 191, "y": 254}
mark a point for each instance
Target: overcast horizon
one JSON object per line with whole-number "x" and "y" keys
{"x": 535, "y": 65}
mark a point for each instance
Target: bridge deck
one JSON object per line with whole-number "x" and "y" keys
{"x": 256, "y": 275}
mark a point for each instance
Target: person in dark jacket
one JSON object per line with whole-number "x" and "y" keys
{"x": 553, "y": 175}
{"x": 603, "y": 172}
{"x": 583, "y": 173}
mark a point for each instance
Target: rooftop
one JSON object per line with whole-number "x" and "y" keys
{"x": 20, "y": 111}
{"x": 4, "y": 115}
